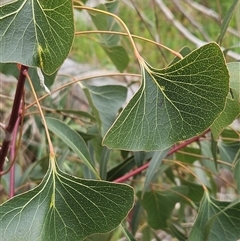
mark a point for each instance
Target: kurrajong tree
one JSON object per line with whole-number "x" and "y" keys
{"x": 174, "y": 127}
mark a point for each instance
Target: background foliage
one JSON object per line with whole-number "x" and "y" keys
{"x": 183, "y": 189}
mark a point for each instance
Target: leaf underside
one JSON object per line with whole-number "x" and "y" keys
{"x": 173, "y": 104}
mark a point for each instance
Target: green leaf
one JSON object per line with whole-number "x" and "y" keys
{"x": 99, "y": 237}
{"x": 153, "y": 167}
{"x": 110, "y": 42}
{"x": 63, "y": 207}
{"x": 78, "y": 113}
{"x": 195, "y": 191}
{"x": 72, "y": 139}
{"x": 228, "y": 151}
{"x": 232, "y": 108}
{"x": 121, "y": 169}
{"x": 159, "y": 205}
{"x": 173, "y": 104}
{"x": 141, "y": 157}
{"x": 118, "y": 56}
{"x": 11, "y": 69}
{"x": 188, "y": 154}
{"x": 214, "y": 150}
{"x": 36, "y": 33}
{"x": 184, "y": 52}
{"x": 231, "y": 111}
{"x": 236, "y": 169}
{"x": 105, "y": 102}
{"x": 216, "y": 221}
{"x": 103, "y": 162}
{"x": 227, "y": 20}
{"x": 128, "y": 234}
{"x": 177, "y": 232}
{"x": 105, "y": 22}
{"x": 136, "y": 217}
{"x": 234, "y": 71}
{"x": 230, "y": 217}
{"x": 207, "y": 152}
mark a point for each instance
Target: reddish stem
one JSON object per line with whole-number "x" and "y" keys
{"x": 145, "y": 166}
{"x": 12, "y": 156}
{"x": 14, "y": 116}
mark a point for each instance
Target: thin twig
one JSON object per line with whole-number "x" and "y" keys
{"x": 133, "y": 36}
{"x": 143, "y": 18}
{"x": 173, "y": 150}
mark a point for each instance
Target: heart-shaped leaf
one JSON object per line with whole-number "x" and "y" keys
{"x": 36, "y": 33}
{"x": 173, "y": 104}
{"x": 63, "y": 207}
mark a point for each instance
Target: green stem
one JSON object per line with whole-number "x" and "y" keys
{"x": 51, "y": 149}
